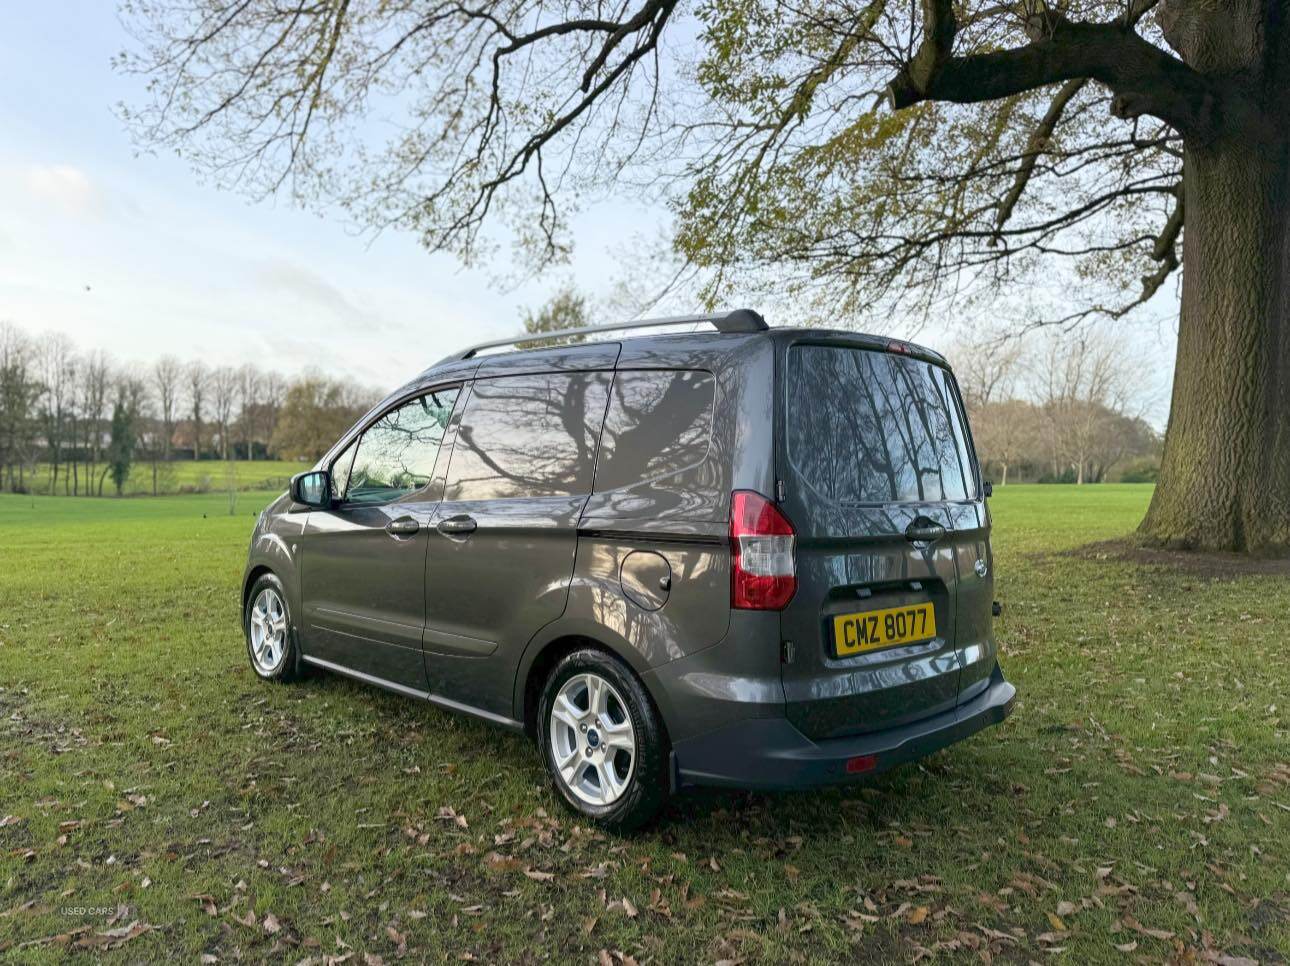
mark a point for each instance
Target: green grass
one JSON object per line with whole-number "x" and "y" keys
{"x": 182, "y": 476}
{"x": 1138, "y": 798}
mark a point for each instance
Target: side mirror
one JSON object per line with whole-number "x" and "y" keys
{"x": 313, "y": 489}
{"x": 988, "y": 489}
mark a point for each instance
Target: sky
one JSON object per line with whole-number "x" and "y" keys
{"x": 134, "y": 255}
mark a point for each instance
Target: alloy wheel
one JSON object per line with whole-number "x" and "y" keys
{"x": 592, "y": 740}
{"x": 268, "y": 631}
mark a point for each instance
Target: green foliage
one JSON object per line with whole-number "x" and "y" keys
{"x": 567, "y": 309}
{"x": 315, "y": 413}
{"x": 1142, "y": 471}
{"x": 1065, "y": 476}
{"x": 1135, "y": 795}
{"x": 120, "y": 453}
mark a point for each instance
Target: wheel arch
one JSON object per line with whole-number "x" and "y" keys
{"x": 252, "y": 575}
{"x": 541, "y": 657}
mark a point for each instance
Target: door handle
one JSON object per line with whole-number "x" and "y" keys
{"x": 923, "y": 530}
{"x": 402, "y": 527}
{"x": 458, "y": 525}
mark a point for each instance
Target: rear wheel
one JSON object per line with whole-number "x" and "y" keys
{"x": 602, "y": 741}
{"x": 267, "y": 623}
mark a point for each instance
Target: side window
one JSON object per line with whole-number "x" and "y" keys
{"x": 955, "y": 410}
{"x": 396, "y": 454}
{"x": 528, "y": 436}
{"x": 659, "y": 422}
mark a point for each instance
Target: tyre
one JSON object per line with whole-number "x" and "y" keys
{"x": 270, "y": 643}
{"x": 602, "y": 741}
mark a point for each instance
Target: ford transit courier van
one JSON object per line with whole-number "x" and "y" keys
{"x": 746, "y": 557}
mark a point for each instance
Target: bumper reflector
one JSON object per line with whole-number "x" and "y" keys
{"x": 861, "y": 763}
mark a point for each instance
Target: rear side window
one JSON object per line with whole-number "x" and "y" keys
{"x": 528, "y": 436}
{"x": 875, "y": 427}
{"x": 659, "y": 422}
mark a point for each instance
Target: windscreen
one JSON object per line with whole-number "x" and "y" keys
{"x": 875, "y": 427}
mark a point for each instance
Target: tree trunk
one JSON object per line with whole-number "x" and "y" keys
{"x": 1225, "y": 473}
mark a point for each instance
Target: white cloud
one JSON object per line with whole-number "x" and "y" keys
{"x": 65, "y": 186}
{"x": 308, "y": 287}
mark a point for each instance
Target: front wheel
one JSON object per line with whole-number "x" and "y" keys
{"x": 602, "y": 741}
{"x": 267, "y": 622}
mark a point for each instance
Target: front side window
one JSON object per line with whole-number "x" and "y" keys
{"x": 875, "y": 427}
{"x": 528, "y": 436}
{"x": 396, "y": 454}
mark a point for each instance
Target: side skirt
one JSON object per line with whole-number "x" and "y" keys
{"x": 446, "y": 703}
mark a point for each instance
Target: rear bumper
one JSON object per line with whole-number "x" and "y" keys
{"x": 769, "y": 753}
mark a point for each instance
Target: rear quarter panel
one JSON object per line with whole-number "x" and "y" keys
{"x": 682, "y": 516}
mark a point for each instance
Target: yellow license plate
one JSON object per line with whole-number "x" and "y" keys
{"x": 874, "y": 629}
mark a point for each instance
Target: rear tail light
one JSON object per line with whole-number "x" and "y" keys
{"x": 762, "y": 546}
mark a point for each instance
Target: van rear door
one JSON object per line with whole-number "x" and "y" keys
{"x": 876, "y": 473}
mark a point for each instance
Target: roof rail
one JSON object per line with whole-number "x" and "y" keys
{"x": 740, "y": 320}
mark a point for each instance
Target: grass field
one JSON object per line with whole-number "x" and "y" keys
{"x": 184, "y": 476}
{"x": 156, "y": 798}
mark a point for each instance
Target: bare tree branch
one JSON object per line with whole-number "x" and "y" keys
{"x": 1144, "y": 78}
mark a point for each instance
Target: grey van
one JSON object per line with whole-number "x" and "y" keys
{"x": 745, "y": 557}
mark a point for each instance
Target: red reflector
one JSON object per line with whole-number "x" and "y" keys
{"x": 861, "y": 763}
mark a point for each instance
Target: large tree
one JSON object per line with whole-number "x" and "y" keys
{"x": 315, "y": 412}
{"x": 880, "y": 157}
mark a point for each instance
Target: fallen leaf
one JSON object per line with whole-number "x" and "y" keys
{"x": 207, "y": 903}
{"x": 1140, "y": 928}
{"x": 111, "y": 938}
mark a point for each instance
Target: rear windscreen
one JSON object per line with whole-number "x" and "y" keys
{"x": 875, "y": 427}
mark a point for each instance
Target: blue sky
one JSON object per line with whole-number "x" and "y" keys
{"x": 177, "y": 267}
{"x": 136, "y": 256}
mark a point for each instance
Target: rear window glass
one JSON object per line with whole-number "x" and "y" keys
{"x": 874, "y": 427}
{"x": 659, "y": 422}
{"x": 528, "y": 436}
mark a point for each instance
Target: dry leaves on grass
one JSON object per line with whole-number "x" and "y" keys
{"x": 449, "y": 814}
{"x": 112, "y": 938}
{"x": 207, "y": 903}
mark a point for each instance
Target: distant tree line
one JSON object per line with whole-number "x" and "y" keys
{"x": 1062, "y": 408}
{"x": 78, "y": 422}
